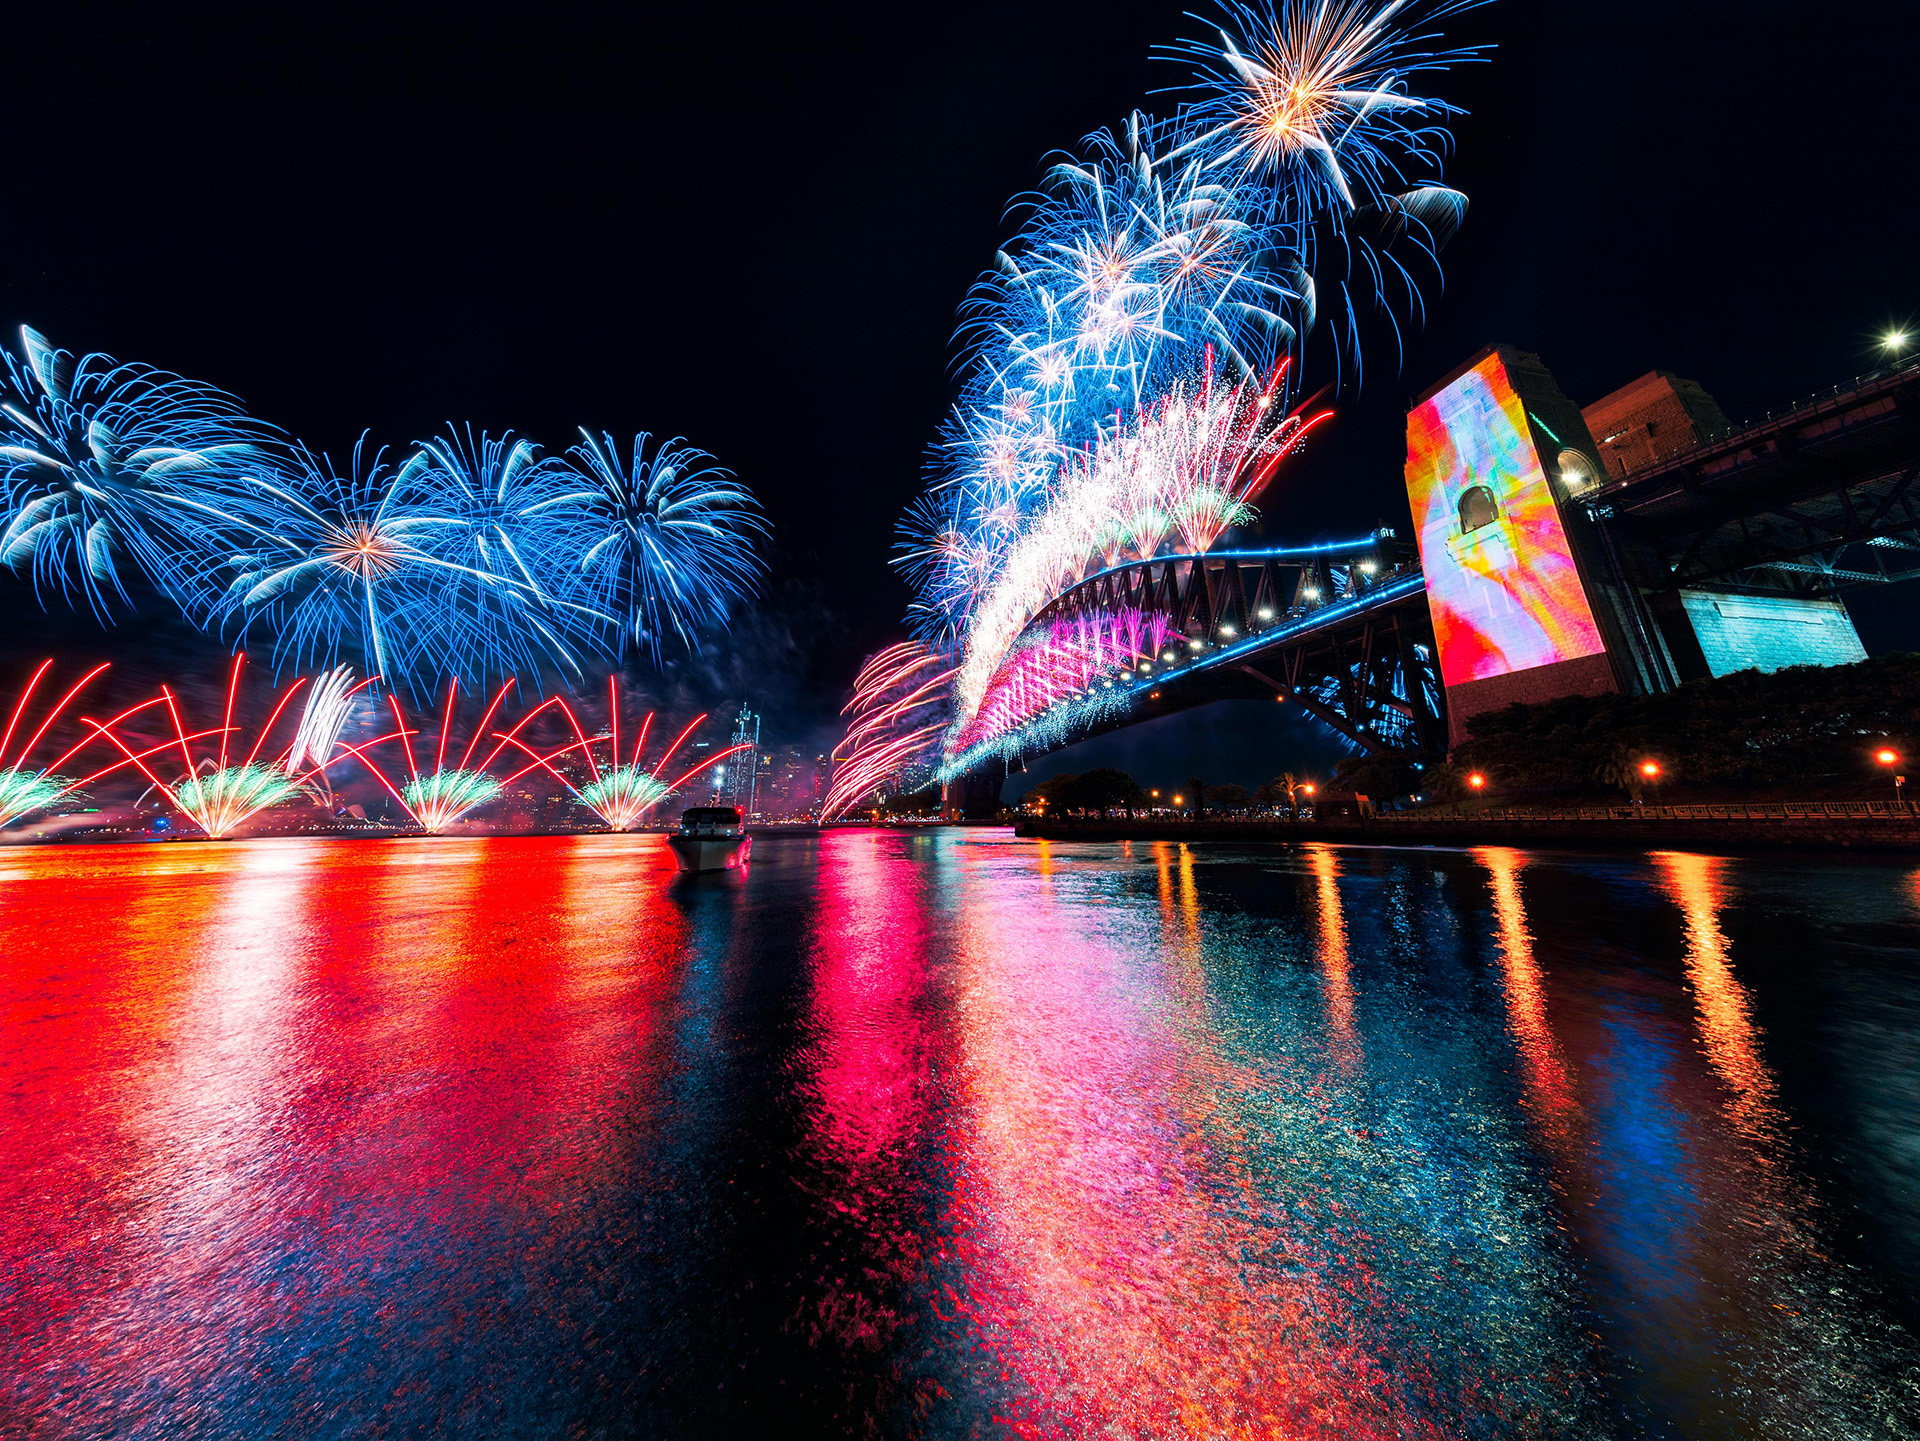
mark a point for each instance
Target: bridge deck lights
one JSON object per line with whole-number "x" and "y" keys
{"x": 1226, "y": 630}
{"x": 1311, "y": 592}
{"x": 1265, "y": 613}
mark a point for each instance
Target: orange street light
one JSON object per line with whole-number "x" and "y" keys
{"x": 1308, "y": 787}
{"x": 1154, "y": 794}
{"x": 1649, "y": 769}
{"x": 1178, "y": 799}
{"x": 1476, "y": 780}
{"x": 1889, "y": 757}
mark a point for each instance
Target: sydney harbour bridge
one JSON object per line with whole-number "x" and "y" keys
{"x": 1763, "y": 526}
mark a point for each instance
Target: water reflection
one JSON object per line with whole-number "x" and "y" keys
{"x": 1549, "y": 1087}
{"x": 1331, "y": 921}
{"x": 1699, "y": 886}
{"x": 948, "y": 1134}
{"x": 1098, "y": 1263}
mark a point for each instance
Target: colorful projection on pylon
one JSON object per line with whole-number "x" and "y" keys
{"x": 1501, "y": 581}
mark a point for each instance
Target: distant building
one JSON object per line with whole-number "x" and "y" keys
{"x": 789, "y": 785}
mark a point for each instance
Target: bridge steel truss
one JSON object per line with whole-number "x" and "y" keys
{"x": 1342, "y": 630}
{"x": 1820, "y": 499}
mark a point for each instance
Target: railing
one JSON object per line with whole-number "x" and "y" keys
{"x": 1753, "y": 811}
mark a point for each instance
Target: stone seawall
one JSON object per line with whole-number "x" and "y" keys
{"x": 1730, "y": 833}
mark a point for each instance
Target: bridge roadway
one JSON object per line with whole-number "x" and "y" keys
{"x": 1341, "y": 630}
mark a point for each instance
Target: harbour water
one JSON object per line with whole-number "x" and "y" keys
{"x": 949, "y": 1134}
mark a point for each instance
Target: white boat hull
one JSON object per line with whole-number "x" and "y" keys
{"x": 717, "y": 853}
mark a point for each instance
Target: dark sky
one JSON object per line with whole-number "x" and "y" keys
{"x": 752, "y": 226}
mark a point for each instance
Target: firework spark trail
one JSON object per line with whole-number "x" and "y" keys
{"x": 23, "y": 790}
{"x": 440, "y": 797}
{"x": 437, "y": 799}
{"x": 328, "y": 706}
{"x": 623, "y": 793}
{"x": 894, "y": 694}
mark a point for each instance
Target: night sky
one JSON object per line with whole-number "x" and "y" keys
{"x": 752, "y": 227}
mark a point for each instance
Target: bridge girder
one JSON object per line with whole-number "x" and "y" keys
{"x": 1343, "y": 631}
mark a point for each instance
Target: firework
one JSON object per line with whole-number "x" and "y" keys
{"x": 1163, "y": 266}
{"x": 102, "y": 462}
{"x": 24, "y": 790}
{"x": 898, "y": 714}
{"x": 331, "y": 562}
{"x": 1190, "y": 468}
{"x": 213, "y": 793}
{"x": 622, "y": 792}
{"x": 1312, "y": 100}
{"x": 475, "y": 556}
{"x": 671, "y": 543}
{"x": 438, "y": 798}
{"x": 510, "y": 532}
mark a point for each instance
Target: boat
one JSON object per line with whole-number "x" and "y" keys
{"x": 711, "y": 838}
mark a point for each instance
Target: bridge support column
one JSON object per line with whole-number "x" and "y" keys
{"x": 975, "y": 796}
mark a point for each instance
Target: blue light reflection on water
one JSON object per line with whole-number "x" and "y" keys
{"x": 949, "y": 1134}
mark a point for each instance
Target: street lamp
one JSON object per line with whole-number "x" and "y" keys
{"x": 1476, "y": 780}
{"x": 1894, "y": 341}
{"x": 1891, "y": 758}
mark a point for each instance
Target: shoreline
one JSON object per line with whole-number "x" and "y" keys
{"x": 1843, "y": 834}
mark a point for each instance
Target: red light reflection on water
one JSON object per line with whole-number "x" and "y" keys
{"x": 1549, "y": 1086}
{"x": 867, "y": 1066}
{"x": 250, "y": 1077}
{"x": 1334, "y": 962}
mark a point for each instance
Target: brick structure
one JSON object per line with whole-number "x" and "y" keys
{"x": 1584, "y": 675}
{"x": 1657, "y": 416}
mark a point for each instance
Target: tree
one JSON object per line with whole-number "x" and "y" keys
{"x": 1282, "y": 790}
{"x": 1097, "y": 791}
{"x": 1450, "y": 782}
{"x": 1621, "y": 768}
{"x": 1230, "y": 797}
{"x": 1197, "y": 790}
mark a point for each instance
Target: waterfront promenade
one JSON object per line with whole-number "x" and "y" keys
{"x": 1835, "y": 825}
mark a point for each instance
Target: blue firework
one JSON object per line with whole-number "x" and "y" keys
{"x": 1298, "y": 181}
{"x": 674, "y": 541}
{"x": 343, "y": 565}
{"x": 106, "y": 464}
{"x": 1306, "y": 110}
{"x": 507, "y": 530}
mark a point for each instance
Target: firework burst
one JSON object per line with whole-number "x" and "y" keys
{"x": 103, "y": 463}
{"x": 623, "y": 791}
{"x": 355, "y": 562}
{"x": 437, "y": 799}
{"x": 672, "y": 541}
{"x": 213, "y": 792}
{"x": 24, "y": 790}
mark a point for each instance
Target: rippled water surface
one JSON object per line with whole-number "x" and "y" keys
{"x": 953, "y": 1135}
